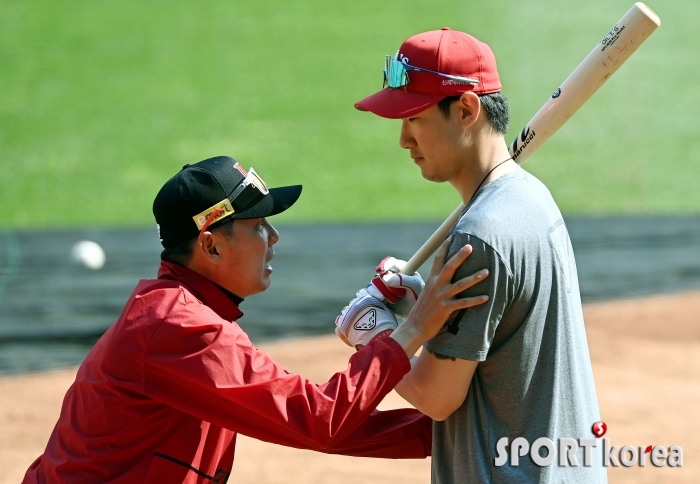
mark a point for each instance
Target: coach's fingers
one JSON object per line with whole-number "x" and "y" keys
{"x": 467, "y": 282}
{"x": 467, "y": 302}
{"x": 439, "y": 259}
{"x": 449, "y": 269}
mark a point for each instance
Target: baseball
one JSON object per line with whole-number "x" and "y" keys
{"x": 88, "y": 254}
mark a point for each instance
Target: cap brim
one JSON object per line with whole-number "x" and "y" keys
{"x": 276, "y": 201}
{"x": 397, "y": 103}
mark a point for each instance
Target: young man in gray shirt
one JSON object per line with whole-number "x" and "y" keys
{"x": 517, "y": 366}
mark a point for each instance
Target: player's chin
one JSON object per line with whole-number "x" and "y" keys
{"x": 433, "y": 177}
{"x": 428, "y": 173}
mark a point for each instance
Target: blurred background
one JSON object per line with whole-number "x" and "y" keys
{"x": 102, "y": 102}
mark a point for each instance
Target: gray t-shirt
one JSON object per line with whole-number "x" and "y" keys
{"x": 534, "y": 376}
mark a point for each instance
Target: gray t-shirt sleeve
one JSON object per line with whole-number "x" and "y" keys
{"x": 468, "y": 334}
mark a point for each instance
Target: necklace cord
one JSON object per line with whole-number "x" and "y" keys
{"x": 487, "y": 175}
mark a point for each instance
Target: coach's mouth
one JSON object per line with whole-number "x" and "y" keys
{"x": 270, "y": 256}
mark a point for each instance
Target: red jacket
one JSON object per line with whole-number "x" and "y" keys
{"x": 162, "y": 395}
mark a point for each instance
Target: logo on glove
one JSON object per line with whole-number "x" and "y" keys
{"x": 367, "y": 321}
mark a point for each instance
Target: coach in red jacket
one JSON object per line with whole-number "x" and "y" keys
{"x": 162, "y": 395}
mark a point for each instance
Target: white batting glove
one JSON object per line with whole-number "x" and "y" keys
{"x": 365, "y": 318}
{"x": 399, "y": 291}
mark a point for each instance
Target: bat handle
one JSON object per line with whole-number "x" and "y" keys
{"x": 432, "y": 244}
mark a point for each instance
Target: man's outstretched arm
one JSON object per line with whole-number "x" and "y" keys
{"x": 392, "y": 434}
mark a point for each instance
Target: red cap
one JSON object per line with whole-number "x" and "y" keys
{"x": 445, "y": 51}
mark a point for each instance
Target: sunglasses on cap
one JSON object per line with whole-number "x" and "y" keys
{"x": 250, "y": 189}
{"x": 396, "y": 73}
{"x": 252, "y": 186}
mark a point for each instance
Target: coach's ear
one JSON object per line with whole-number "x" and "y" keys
{"x": 469, "y": 107}
{"x": 208, "y": 246}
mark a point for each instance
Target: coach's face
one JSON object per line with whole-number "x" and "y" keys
{"x": 437, "y": 143}
{"x": 248, "y": 255}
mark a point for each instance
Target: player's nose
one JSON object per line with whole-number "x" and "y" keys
{"x": 406, "y": 139}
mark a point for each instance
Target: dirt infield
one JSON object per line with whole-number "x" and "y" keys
{"x": 646, "y": 360}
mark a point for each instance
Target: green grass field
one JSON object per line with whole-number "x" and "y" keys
{"x": 101, "y": 102}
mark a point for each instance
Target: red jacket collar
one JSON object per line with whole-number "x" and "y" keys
{"x": 203, "y": 289}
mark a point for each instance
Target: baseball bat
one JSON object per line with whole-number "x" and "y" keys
{"x": 608, "y": 55}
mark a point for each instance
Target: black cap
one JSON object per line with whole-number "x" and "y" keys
{"x": 187, "y": 201}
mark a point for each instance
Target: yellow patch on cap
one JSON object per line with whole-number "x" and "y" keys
{"x": 225, "y": 205}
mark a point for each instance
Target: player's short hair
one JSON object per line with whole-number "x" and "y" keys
{"x": 182, "y": 253}
{"x": 495, "y": 106}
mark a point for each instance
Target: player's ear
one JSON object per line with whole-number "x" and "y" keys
{"x": 469, "y": 107}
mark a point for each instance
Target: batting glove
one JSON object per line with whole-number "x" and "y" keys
{"x": 399, "y": 291}
{"x": 364, "y": 319}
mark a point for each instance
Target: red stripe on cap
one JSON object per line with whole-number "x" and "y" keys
{"x": 211, "y": 218}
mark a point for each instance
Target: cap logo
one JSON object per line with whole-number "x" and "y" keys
{"x": 452, "y": 82}
{"x": 226, "y": 211}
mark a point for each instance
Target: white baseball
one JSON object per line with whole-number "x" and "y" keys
{"x": 89, "y": 254}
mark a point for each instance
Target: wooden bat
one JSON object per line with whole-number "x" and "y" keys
{"x": 608, "y": 55}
